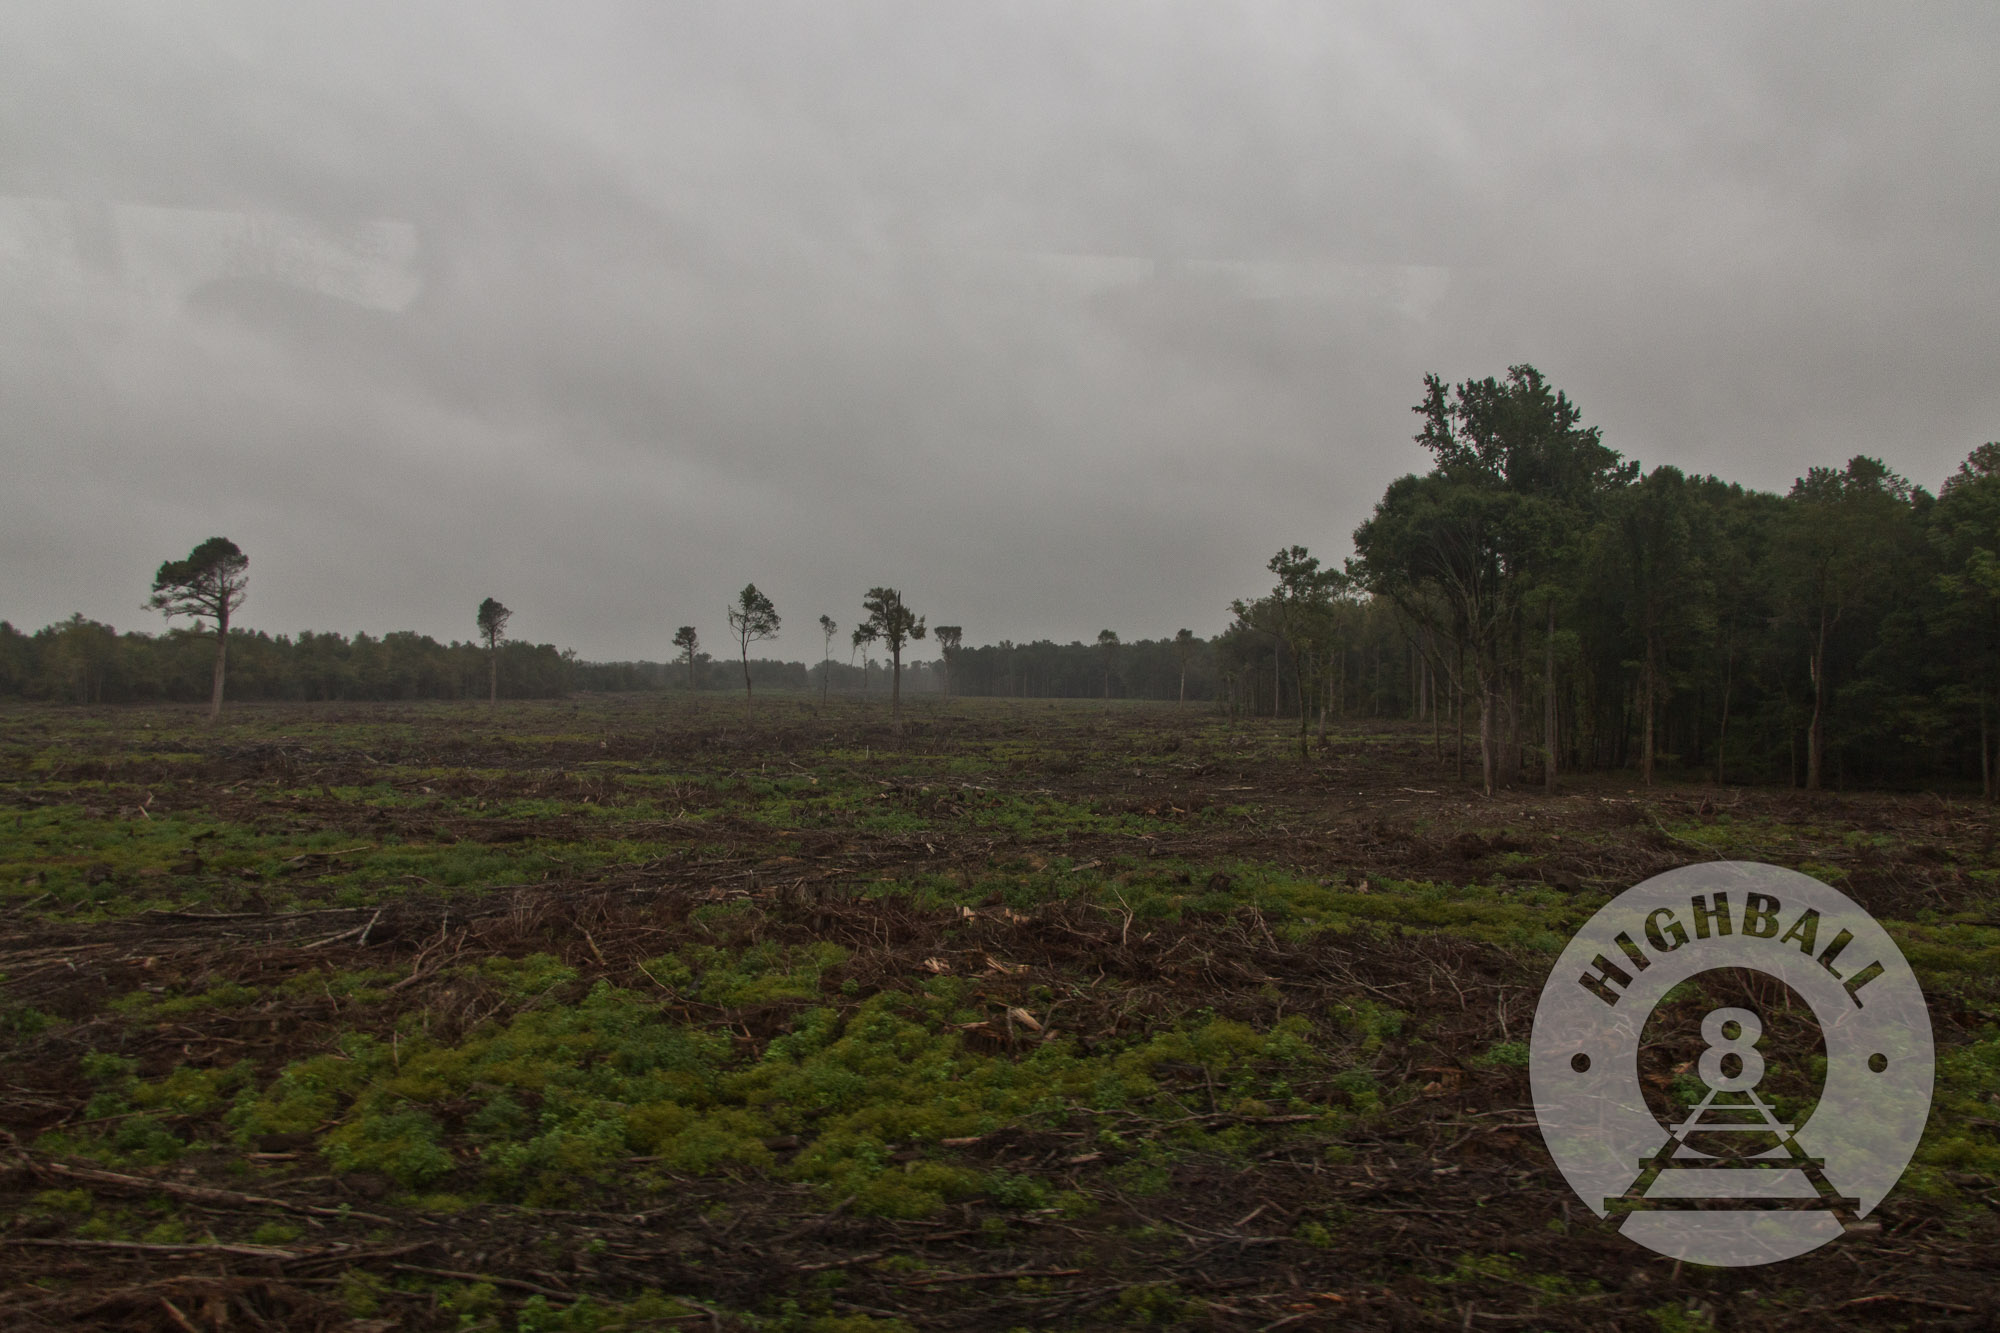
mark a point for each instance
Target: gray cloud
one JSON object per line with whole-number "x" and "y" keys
{"x": 1057, "y": 316}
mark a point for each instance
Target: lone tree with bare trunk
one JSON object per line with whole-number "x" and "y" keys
{"x": 689, "y": 643}
{"x": 493, "y": 619}
{"x": 827, "y": 629}
{"x": 1107, "y": 644}
{"x": 895, "y": 625}
{"x": 949, "y": 638}
{"x": 1184, "y": 643}
{"x": 753, "y": 618}
{"x": 209, "y": 584}
{"x": 862, "y": 637}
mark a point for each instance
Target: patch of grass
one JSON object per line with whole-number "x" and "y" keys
{"x": 568, "y": 1093}
{"x": 147, "y": 1007}
{"x": 1502, "y": 1055}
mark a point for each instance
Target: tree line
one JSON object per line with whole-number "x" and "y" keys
{"x": 88, "y": 662}
{"x": 1542, "y": 602}
{"x": 1573, "y": 611}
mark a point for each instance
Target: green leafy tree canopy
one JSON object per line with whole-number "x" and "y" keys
{"x": 209, "y": 585}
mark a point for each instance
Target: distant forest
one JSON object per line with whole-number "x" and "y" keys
{"x": 83, "y": 661}
{"x": 1540, "y": 602}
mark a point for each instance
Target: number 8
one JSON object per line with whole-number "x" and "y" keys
{"x": 1742, "y": 1046}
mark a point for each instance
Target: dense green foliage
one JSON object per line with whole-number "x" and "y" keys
{"x": 1584, "y": 611}
{"x": 84, "y": 661}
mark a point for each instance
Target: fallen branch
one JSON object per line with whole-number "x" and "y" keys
{"x": 194, "y": 1193}
{"x": 361, "y": 930}
{"x": 944, "y": 1278}
{"x": 848, "y": 1262}
{"x": 514, "y": 1282}
{"x": 148, "y": 1247}
{"x": 1881, "y": 1297}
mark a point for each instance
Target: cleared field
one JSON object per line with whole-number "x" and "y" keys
{"x": 624, "y": 1013}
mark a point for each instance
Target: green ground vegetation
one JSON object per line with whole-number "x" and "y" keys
{"x": 1053, "y": 973}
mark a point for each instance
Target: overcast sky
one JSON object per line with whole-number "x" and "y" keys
{"x": 1057, "y": 316}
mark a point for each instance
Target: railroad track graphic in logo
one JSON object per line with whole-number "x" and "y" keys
{"x": 1730, "y": 1180}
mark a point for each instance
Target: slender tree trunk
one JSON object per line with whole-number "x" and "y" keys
{"x": 1722, "y": 732}
{"x": 1815, "y": 734}
{"x": 1184, "y": 682}
{"x": 1549, "y": 704}
{"x": 1696, "y": 716}
{"x": 1325, "y": 703}
{"x": 1431, "y": 706}
{"x": 1985, "y": 754}
{"x": 1626, "y": 710}
{"x": 1647, "y": 690}
{"x": 1515, "y": 678}
{"x": 747, "y": 700}
{"x": 896, "y": 687}
{"x": 221, "y": 664}
{"x": 1488, "y": 761}
{"x": 1458, "y": 710}
{"x": 1301, "y": 669}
